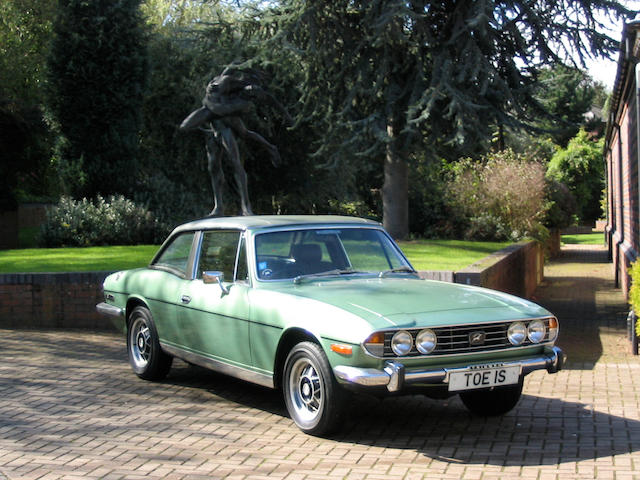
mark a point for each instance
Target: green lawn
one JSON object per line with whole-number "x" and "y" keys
{"x": 447, "y": 254}
{"x": 584, "y": 239}
{"x": 76, "y": 259}
{"x": 423, "y": 254}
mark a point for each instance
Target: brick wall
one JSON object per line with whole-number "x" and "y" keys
{"x": 517, "y": 269}
{"x": 52, "y": 300}
{"x": 622, "y": 181}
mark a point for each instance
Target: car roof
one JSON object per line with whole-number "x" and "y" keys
{"x": 258, "y": 222}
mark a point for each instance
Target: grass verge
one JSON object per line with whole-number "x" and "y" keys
{"x": 584, "y": 239}
{"x": 423, "y": 254}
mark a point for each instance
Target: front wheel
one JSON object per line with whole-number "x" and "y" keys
{"x": 313, "y": 397}
{"x": 489, "y": 403}
{"x": 143, "y": 347}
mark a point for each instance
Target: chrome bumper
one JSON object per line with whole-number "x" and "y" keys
{"x": 110, "y": 310}
{"x": 394, "y": 375}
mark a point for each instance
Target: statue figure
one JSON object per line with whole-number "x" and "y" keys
{"x": 229, "y": 95}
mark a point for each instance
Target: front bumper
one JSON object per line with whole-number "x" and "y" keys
{"x": 395, "y": 376}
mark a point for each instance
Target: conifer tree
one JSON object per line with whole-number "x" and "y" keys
{"x": 97, "y": 73}
{"x": 386, "y": 78}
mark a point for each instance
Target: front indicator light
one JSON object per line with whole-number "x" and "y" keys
{"x": 553, "y": 328}
{"x": 517, "y": 333}
{"x": 426, "y": 341}
{"x": 374, "y": 344}
{"x": 401, "y": 343}
{"x": 536, "y": 331}
{"x": 341, "y": 349}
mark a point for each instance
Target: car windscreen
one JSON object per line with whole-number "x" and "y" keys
{"x": 290, "y": 254}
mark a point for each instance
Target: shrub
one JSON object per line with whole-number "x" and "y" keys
{"x": 562, "y": 206}
{"x": 111, "y": 221}
{"x": 580, "y": 168}
{"x": 634, "y": 291}
{"x": 500, "y": 197}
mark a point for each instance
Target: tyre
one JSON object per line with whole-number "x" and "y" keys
{"x": 143, "y": 346}
{"x": 489, "y": 403}
{"x": 313, "y": 397}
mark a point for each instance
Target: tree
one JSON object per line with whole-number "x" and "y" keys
{"x": 25, "y": 30}
{"x": 567, "y": 94}
{"x": 97, "y": 73}
{"x": 386, "y": 78}
{"x": 580, "y": 168}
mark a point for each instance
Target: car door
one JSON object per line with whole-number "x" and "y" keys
{"x": 161, "y": 284}
{"x": 216, "y": 319}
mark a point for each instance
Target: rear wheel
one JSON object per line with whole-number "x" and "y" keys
{"x": 489, "y": 403}
{"x": 312, "y": 395}
{"x": 143, "y": 347}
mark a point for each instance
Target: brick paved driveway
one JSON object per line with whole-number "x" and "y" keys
{"x": 70, "y": 407}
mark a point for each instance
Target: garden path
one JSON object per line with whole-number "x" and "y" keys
{"x": 579, "y": 288}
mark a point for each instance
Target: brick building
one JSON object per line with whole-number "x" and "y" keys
{"x": 621, "y": 158}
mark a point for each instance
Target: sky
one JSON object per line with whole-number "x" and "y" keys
{"x": 605, "y": 70}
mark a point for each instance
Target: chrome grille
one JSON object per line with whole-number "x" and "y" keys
{"x": 455, "y": 339}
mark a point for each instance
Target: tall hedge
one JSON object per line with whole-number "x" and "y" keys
{"x": 97, "y": 73}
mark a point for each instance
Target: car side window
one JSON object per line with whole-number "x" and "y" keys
{"x": 218, "y": 253}
{"x": 176, "y": 255}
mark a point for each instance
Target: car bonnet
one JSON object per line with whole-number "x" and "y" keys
{"x": 406, "y": 302}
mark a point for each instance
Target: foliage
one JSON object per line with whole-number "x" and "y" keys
{"x": 430, "y": 212}
{"x": 96, "y": 73}
{"x": 23, "y": 151}
{"x": 501, "y": 197}
{"x": 385, "y": 79}
{"x": 562, "y": 206}
{"x": 580, "y": 168}
{"x": 566, "y": 94}
{"x": 25, "y": 30}
{"x": 634, "y": 291}
{"x": 111, "y": 221}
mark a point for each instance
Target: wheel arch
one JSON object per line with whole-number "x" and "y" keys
{"x": 132, "y": 303}
{"x": 288, "y": 340}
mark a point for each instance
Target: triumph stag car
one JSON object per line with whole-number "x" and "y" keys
{"x": 319, "y": 307}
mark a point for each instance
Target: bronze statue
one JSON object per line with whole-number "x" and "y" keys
{"x": 229, "y": 95}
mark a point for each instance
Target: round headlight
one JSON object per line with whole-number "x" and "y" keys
{"x": 426, "y": 341}
{"x": 401, "y": 343}
{"x": 536, "y": 331}
{"x": 517, "y": 333}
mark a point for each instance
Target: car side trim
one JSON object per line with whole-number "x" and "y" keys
{"x": 203, "y": 361}
{"x": 394, "y": 375}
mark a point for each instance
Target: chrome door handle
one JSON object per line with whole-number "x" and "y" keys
{"x": 186, "y": 299}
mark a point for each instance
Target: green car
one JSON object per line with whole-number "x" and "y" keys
{"x": 321, "y": 306}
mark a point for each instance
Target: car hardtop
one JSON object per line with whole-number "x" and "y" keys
{"x": 268, "y": 222}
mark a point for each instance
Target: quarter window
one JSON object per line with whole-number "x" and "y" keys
{"x": 242, "y": 270}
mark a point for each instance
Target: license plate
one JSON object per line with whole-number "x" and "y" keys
{"x": 475, "y": 378}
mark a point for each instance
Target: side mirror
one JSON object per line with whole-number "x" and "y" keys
{"x": 215, "y": 277}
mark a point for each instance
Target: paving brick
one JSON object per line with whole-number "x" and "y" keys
{"x": 71, "y": 408}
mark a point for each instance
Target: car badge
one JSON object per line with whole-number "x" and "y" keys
{"x": 477, "y": 338}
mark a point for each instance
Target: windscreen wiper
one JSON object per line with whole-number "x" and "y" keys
{"x": 402, "y": 269}
{"x": 328, "y": 273}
